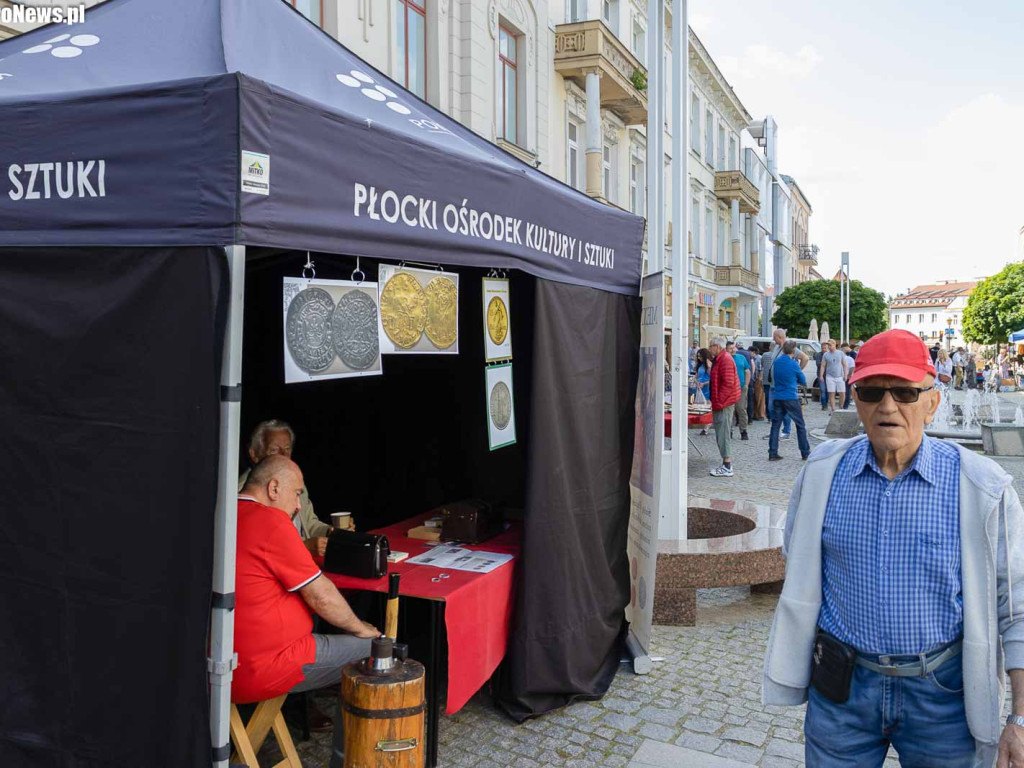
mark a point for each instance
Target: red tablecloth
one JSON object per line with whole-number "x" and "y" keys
{"x": 692, "y": 420}
{"x": 478, "y": 606}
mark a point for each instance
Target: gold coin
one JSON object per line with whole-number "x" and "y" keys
{"x": 442, "y": 312}
{"x": 497, "y": 320}
{"x": 403, "y": 309}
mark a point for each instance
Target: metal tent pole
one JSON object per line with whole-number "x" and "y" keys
{"x": 222, "y": 620}
{"x": 680, "y": 262}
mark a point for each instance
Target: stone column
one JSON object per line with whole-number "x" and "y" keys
{"x": 595, "y": 148}
{"x": 734, "y": 225}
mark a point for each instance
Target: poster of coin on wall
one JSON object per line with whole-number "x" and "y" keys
{"x": 497, "y": 322}
{"x": 419, "y": 311}
{"x": 330, "y": 330}
{"x": 501, "y": 412}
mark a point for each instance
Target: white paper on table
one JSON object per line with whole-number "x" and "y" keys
{"x": 460, "y": 559}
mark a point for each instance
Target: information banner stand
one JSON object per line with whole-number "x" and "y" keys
{"x": 645, "y": 479}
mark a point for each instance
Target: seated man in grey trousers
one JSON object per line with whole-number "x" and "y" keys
{"x": 277, "y": 590}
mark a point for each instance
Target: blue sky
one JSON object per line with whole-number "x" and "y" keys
{"x": 898, "y": 120}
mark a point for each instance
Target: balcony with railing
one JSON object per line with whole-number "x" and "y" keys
{"x": 584, "y": 46}
{"x": 734, "y": 185}
{"x": 807, "y": 255}
{"x": 735, "y": 275}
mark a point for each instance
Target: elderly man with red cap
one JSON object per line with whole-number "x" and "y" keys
{"x": 897, "y": 617}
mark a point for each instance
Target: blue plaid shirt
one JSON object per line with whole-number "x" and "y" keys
{"x": 891, "y": 552}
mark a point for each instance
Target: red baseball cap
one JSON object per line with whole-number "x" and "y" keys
{"x": 893, "y": 353}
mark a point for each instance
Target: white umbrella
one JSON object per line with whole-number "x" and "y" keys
{"x": 824, "y": 332}
{"x": 812, "y": 334}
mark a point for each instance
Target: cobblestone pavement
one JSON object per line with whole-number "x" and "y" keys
{"x": 700, "y": 707}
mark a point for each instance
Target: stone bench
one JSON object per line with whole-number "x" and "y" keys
{"x": 731, "y": 543}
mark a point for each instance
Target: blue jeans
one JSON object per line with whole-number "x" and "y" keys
{"x": 783, "y": 410}
{"x": 846, "y": 402}
{"x": 922, "y": 717}
{"x": 787, "y": 424}
{"x": 823, "y": 391}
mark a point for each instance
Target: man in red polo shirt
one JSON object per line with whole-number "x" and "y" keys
{"x": 277, "y": 589}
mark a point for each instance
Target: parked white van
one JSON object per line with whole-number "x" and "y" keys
{"x": 810, "y": 348}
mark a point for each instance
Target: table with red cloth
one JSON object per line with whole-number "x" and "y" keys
{"x": 693, "y": 421}
{"x": 477, "y": 607}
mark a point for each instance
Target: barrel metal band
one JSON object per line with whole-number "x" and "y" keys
{"x": 383, "y": 714}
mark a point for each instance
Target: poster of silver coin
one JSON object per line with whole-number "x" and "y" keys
{"x": 330, "y": 329}
{"x": 500, "y": 406}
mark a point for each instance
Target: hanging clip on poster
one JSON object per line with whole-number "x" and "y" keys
{"x": 357, "y": 271}
{"x": 308, "y": 267}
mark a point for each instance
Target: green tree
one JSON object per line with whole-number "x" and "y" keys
{"x": 818, "y": 300}
{"x": 996, "y": 308}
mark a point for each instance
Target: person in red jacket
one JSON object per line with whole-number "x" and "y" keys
{"x": 725, "y": 393}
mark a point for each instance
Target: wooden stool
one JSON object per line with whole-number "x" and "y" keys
{"x": 249, "y": 738}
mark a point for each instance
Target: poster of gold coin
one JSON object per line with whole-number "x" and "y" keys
{"x": 330, "y": 329}
{"x": 500, "y": 406}
{"x": 497, "y": 320}
{"x": 419, "y": 311}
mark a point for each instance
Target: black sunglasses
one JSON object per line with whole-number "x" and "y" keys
{"x": 899, "y": 394}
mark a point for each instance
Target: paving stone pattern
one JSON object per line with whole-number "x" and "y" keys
{"x": 700, "y": 707}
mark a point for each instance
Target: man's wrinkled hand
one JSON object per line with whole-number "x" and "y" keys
{"x": 367, "y": 630}
{"x": 1011, "y": 748}
{"x": 316, "y": 545}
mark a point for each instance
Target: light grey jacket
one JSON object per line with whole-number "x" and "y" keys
{"x": 992, "y": 564}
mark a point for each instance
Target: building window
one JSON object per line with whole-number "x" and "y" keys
{"x": 695, "y": 123}
{"x": 608, "y": 181}
{"x": 695, "y": 226}
{"x": 574, "y": 157}
{"x": 709, "y": 138}
{"x": 509, "y": 87}
{"x": 577, "y": 10}
{"x": 732, "y": 154}
{"x": 920, "y": 318}
{"x": 410, "y": 44}
{"x": 610, "y": 14}
{"x": 935, "y": 318}
{"x": 721, "y": 147}
{"x": 311, "y": 9}
{"x": 908, "y": 319}
{"x": 721, "y": 242}
{"x": 637, "y": 182}
{"x": 638, "y": 41}
{"x": 709, "y": 235}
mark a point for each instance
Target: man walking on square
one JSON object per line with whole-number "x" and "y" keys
{"x": 767, "y": 374}
{"x": 897, "y": 617}
{"x": 743, "y": 374}
{"x": 786, "y": 402}
{"x": 833, "y": 373}
{"x": 725, "y": 392}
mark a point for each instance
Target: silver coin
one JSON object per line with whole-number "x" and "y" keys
{"x": 308, "y": 330}
{"x": 501, "y": 405}
{"x": 355, "y": 330}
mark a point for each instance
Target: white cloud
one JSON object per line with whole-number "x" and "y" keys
{"x": 761, "y": 62}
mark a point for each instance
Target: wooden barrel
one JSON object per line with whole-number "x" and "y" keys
{"x": 384, "y": 715}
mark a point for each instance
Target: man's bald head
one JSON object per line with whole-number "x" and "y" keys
{"x": 276, "y": 482}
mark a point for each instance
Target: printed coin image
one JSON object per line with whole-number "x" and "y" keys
{"x": 308, "y": 330}
{"x": 497, "y": 320}
{"x": 403, "y": 310}
{"x": 354, "y": 327}
{"x": 442, "y": 312}
{"x": 501, "y": 405}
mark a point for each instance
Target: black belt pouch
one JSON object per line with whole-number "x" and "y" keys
{"x": 833, "y": 661}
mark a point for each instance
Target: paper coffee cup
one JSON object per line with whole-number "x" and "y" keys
{"x": 341, "y": 521}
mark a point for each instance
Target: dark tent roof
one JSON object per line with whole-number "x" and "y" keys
{"x": 237, "y": 121}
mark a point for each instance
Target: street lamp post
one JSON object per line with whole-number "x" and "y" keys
{"x": 949, "y": 334}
